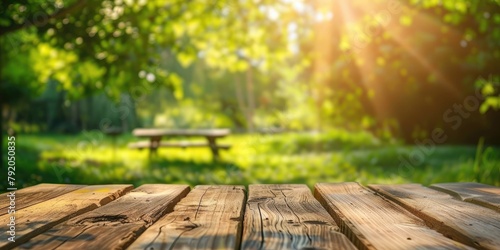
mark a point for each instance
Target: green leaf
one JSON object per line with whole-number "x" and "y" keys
{"x": 186, "y": 59}
{"x": 488, "y": 89}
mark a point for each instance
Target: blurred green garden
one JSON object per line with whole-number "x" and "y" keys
{"x": 337, "y": 156}
{"x": 390, "y": 91}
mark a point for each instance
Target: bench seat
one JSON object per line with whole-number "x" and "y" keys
{"x": 181, "y": 144}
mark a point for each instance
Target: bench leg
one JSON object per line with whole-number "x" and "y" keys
{"x": 153, "y": 152}
{"x": 153, "y": 145}
{"x": 213, "y": 148}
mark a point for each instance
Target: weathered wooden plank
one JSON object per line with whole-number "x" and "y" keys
{"x": 35, "y": 194}
{"x": 288, "y": 217}
{"x": 115, "y": 225}
{"x": 38, "y": 218}
{"x": 209, "y": 217}
{"x": 372, "y": 222}
{"x": 468, "y": 223}
{"x": 477, "y": 193}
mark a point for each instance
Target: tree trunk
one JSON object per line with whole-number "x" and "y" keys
{"x": 251, "y": 100}
{"x": 134, "y": 121}
{"x": 240, "y": 98}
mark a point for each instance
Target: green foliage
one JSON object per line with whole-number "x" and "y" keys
{"x": 16, "y": 73}
{"x": 187, "y": 114}
{"x": 313, "y": 65}
{"x": 333, "y": 140}
{"x": 116, "y": 40}
{"x": 490, "y": 91}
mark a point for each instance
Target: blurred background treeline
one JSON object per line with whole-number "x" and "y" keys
{"x": 318, "y": 72}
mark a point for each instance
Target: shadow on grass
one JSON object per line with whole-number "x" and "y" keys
{"x": 26, "y": 172}
{"x": 156, "y": 170}
{"x": 440, "y": 164}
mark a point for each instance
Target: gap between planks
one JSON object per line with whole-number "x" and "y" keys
{"x": 477, "y": 193}
{"x": 372, "y": 222}
{"x": 465, "y": 222}
{"x": 38, "y": 218}
{"x": 35, "y": 194}
{"x": 115, "y": 225}
{"x": 288, "y": 217}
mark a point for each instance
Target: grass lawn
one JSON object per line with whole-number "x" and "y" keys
{"x": 337, "y": 156}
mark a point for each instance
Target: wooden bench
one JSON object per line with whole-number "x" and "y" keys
{"x": 285, "y": 216}
{"x": 181, "y": 144}
{"x": 155, "y": 136}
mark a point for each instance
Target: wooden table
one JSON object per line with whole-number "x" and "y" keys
{"x": 287, "y": 216}
{"x": 155, "y": 136}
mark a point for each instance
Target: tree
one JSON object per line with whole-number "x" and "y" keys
{"x": 116, "y": 47}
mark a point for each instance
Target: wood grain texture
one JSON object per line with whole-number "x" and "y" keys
{"x": 209, "y": 217}
{"x": 38, "y": 218}
{"x": 477, "y": 193}
{"x": 372, "y": 222}
{"x": 35, "y": 194}
{"x": 468, "y": 223}
{"x": 115, "y": 225}
{"x": 288, "y": 217}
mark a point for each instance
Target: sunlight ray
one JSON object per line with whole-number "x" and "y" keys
{"x": 364, "y": 59}
{"x": 429, "y": 66}
{"x": 425, "y": 21}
